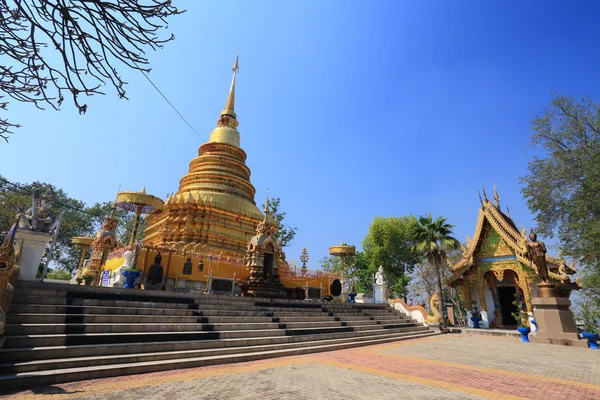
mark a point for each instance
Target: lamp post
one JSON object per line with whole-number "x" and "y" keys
{"x": 304, "y": 258}
{"x": 342, "y": 251}
{"x": 201, "y": 263}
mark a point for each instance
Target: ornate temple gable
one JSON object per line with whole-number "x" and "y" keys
{"x": 493, "y": 246}
{"x": 496, "y": 238}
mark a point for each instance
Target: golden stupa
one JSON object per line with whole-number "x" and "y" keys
{"x": 214, "y": 209}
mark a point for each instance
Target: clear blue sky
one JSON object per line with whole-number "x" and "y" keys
{"x": 348, "y": 110}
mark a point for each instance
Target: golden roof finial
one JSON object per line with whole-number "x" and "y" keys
{"x": 496, "y": 196}
{"x": 230, "y": 105}
{"x": 267, "y": 203}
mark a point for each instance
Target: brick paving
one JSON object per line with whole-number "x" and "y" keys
{"x": 442, "y": 367}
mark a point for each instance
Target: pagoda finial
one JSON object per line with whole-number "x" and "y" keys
{"x": 484, "y": 193}
{"x": 230, "y": 105}
{"x": 496, "y": 196}
{"x": 267, "y": 203}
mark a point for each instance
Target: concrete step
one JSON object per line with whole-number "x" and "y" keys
{"x": 200, "y": 304}
{"x": 127, "y": 308}
{"x": 65, "y": 309}
{"x": 48, "y": 329}
{"x": 79, "y": 325}
{"x": 76, "y": 362}
{"x": 21, "y": 341}
{"x": 83, "y": 350}
{"x": 34, "y": 318}
{"x": 54, "y": 376}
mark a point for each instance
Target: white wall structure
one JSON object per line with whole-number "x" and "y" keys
{"x": 34, "y": 244}
{"x": 414, "y": 314}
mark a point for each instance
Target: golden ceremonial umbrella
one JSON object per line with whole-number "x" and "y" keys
{"x": 139, "y": 203}
{"x": 342, "y": 251}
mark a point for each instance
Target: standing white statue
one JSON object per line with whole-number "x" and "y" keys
{"x": 118, "y": 280}
{"x": 380, "y": 287}
{"x": 380, "y": 276}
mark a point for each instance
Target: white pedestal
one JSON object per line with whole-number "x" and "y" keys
{"x": 117, "y": 279}
{"x": 34, "y": 244}
{"x": 380, "y": 293}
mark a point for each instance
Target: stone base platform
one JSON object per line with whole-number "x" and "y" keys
{"x": 556, "y": 322}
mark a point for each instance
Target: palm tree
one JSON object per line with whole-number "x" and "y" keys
{"x": 433, "y": 238}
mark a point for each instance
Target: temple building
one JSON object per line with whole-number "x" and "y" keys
{"x": 214, "y": 209}
{"x": 496, "y": 266}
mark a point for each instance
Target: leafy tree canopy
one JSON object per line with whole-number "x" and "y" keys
{"x": 433, "y": 239}
{"x": 78, "y": 220}
{"x": 563, "y": 185}
{"x": 389, "y": 244}
{"x": 356, "y": 270}
{"x": 285, "y": 234}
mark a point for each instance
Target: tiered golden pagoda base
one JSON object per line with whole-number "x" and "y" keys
{"x": 554, "y": 318}
{"x": 266, "y": 289}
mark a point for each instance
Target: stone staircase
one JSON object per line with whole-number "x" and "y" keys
{"x": 59, "y": 333}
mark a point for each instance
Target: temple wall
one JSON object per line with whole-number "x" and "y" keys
{"x": 214, "y": 268}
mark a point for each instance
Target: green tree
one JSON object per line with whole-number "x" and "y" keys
{"x": 389, "y": 244}
{"x": 59, "y": 274}
{"x": 285, "y": 234}
{"x": 78, "y": 220}
{"x": 563, "y": 184}
{"x": 433, "y": 239}
{"x": 424, "y": 283}
{"x": 56, "y": 48}
{"x": 356, "y": 270}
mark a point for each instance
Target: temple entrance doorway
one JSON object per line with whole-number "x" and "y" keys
{"x": 268, "y": 267}
{"x": 506, "y": 296}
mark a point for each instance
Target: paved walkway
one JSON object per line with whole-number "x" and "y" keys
{"x": 441, "y": 367}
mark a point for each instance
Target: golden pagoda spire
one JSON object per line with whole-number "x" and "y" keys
{"x": 266, "y": 209}
{"x": 230, "y": 105}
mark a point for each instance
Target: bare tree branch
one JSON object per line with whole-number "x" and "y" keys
{"x": 90, "y": 37}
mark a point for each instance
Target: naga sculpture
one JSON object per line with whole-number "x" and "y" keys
{"x": 9, "y": 274}
{"x": 434, "y": 302}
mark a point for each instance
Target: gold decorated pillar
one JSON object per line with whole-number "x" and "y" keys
{"x": 481, "y": 291}
{"x": 465, "y": 294}
{"x": 85, "y": 242}
{"x": 523, "y": 284}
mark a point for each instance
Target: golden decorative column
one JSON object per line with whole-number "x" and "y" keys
{"x": 465, "y": 294}
{"x": 85, "y": 242}
{"x": 523, "y": 284}
{"x": 492, "y": 284}
{"x": 105, "y": 241}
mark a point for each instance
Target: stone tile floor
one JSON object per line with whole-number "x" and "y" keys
{"x": 441, "y": 367}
